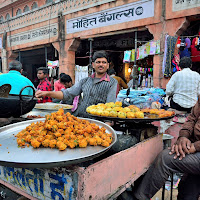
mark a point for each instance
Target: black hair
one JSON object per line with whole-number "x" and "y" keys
{"x": 44, "y": 69}
{"x": 65, "y": 78}
{"x": 61, "y": 74}
{"x": 111, "y": 71}
{"x": 100, "y": 54}
{"x": 185, "y": 62}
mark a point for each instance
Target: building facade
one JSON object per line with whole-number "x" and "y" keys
{"x": 34, "y": 31}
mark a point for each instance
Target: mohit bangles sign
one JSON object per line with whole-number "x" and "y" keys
{"x": 129, "y": 12}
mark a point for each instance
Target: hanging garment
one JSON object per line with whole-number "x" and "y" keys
{"x": 185, "y": 53}
{"x": 171, "y": 42}
{"x": 195, "y": 54}
{"x": 165, "y": 54}
{"x": 175, "y": 63}
{"x": 80, "y": 73}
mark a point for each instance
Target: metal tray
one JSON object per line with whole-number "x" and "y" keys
{"x": 146, "y": 119}
{"x": 14, "y": 156}
{"x": 35, "y": 113}
{"x": 52, "y": 106}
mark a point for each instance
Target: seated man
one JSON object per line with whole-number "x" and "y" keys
{"x": 184, "y": 157}
{"x": 184, "y": 87}
{"x": 16, "y": 80}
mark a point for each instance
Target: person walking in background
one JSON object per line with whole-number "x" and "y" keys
{"x": 184, "y": 87}
{"x": 44, "y": 85}
{"x": 122, "y": 84}
{"x": 16, "y": 80}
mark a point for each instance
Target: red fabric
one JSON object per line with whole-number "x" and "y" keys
{"x": 195, "y": 55}
{"x": 58, "y": 86}
{"x": 44, "y": 85}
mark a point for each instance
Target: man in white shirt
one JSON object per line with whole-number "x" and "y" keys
{"x": 184, "y": 87}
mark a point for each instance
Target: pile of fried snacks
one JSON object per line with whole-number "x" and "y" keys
{"x": 61, "y": 130}
{"x": 112, "y": 109}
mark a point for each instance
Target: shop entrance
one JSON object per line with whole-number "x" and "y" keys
{"x": 115, "y": 45}
{"x": 35, "y": 58}
{"x": 190, "y": 36}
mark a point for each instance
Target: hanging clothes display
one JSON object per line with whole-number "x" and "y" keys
{"x": 165, "y": 55}
{"x": 52, "y": 65}
{"x": 194, "y": 51}
{"x": 171, "y": 42}
{"x": 80, "y": 73}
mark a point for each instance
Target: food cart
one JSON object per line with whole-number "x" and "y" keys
{"x": 103, "y": 177}
{"x": 48, "y": 175}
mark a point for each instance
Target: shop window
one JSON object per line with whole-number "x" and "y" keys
{"x": 34, "y": 6}
{"x": 49, "y": 1}
{"x": 7, "y": 16}
{"x": 26, "y": 8}
{"x": 1, "y": 19}
{"x": 19, "y": 12}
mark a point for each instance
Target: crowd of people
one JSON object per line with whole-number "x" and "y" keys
{"x": 102, "y": 87}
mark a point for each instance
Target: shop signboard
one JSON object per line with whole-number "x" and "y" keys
{"x": 45, "y": 32}
{"x": 184, "y": 4}
{"x": 120, "y": 14}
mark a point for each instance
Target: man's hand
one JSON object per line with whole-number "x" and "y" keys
{"x": 182, "y": 146}
{"x": 192, "y": 148}
{"x": 39, "y": 94}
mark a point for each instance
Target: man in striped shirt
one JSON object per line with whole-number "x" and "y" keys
{"x": 98, "y": 88}
{"x": 184, "y": 87}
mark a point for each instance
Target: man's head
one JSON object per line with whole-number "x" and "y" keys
{"x": 185, "y": 62}
{"x": 61, "y": 74}
{"x": 66, "y": 80}
{"x": 42, "y": 73}
{"x": 100, "y": 62}
{"x": 111, "y": 72}
{"x": 15, "y": 65}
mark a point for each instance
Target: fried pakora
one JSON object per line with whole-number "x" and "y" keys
{"x": 64, "y": 130}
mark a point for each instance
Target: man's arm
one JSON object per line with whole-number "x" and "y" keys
{"x": 183, "y": 144}
{"x": 52, "y": 94}
{"x": 170, "y": 86}
{"x": 64, "y": 94}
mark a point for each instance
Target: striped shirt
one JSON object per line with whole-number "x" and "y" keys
{"x": 184, "y": 86}
{"x": 94, "y": 91}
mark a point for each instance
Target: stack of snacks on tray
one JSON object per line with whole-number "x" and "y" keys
{"x": 61, "y": 130}
{"x": 116, "y": 110}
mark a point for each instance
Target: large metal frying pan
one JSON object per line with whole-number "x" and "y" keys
{"x": 11, "y": 155}
{"x": 16, "y": 105}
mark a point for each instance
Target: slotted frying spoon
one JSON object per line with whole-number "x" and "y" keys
{"x": 4, "y": 90}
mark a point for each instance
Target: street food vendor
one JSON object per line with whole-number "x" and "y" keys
{"x": 98, "y": 88}
{"x": 16, "y": 80}
{"x": 184, "y": 157}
